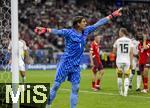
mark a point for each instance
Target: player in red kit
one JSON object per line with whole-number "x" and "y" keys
{"x": 96, "y": 63}
{"x": 144, "y": 61}
{"x": 146, "y": 45}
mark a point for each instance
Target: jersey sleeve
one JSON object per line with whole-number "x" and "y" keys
{"x": 99, "y": 23}
{"x": 62, "y": 32}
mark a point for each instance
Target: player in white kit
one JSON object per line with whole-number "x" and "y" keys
{"x": 135, "y": 66}
{"x": 23, "y": 51}
{"x": 123, "y": 48}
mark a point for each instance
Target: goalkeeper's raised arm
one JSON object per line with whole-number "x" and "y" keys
{"x": 109, "y": 17}
{"x": 103, "y": 21}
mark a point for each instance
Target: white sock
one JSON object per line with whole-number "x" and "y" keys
{"x": 130, "y": 78}
{"x": 139, "y": 79}
{"x": 126, "y": 86}
{"x": 120, "y": 85}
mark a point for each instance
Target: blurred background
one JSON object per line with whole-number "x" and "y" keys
{"x": 47, "y": 49}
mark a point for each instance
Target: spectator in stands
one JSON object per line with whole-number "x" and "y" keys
{"x": 112, "y": 59}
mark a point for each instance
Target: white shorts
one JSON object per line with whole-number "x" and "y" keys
{"x": 135, "y": 63}
{"x": 21, "y": 67}
{"x": 123, "y": 67}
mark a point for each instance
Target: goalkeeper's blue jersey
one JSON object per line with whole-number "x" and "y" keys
{"x": 75, "y": 42}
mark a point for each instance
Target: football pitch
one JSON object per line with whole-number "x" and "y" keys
{"x": 107, "y": 97}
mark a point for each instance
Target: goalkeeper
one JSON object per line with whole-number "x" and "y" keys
{"x": 69, "y": 65}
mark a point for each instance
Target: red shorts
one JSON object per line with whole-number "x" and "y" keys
{"x": 97, "y": 66}
{"x": 141, "y": 67}
{"x": 148, "y": 62}
{"x": 146, "y": 65}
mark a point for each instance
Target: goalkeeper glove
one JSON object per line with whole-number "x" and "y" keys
{"x": 40, "y": 30}
{"x": 115, "y": 13}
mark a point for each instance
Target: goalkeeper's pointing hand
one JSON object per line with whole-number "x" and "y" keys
{"x": 41, "y": 30}
{"x": 115, "y": 13}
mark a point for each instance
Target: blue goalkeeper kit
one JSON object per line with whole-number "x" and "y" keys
{"x": 69, "y": 65}
{"x": 74, "y": 47}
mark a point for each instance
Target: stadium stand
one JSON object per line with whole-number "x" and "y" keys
{"x": 59, "y": 14}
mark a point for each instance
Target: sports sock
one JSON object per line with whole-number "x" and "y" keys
{"x": 139, "y": 79}
{"x": 120, "y": 85}
{"x": 98, "y": 82}
{"x": 74, "y": 95}
{"x": 126, "y": 86}
{"x": 53, "y": 91}
{"x": 131, "y": 77}
{"x": 145, "y": 83}
{"x": 93, "y": 84}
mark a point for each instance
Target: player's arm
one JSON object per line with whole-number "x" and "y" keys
{"x": 108, "y": 18}
{"x": 42, "y": 30}
{"x": 145, "y": 45}
{"x": 91, "y": 56}
{"x": 9, "y": 51}
{"x": 27, "y": 58}
{"x": 26, "y": 52}
{"x": 131, "y": 57}
{"x": 9, "y": 47}
{"x": 103, "y": 21}
{"x": 115, "y": 48}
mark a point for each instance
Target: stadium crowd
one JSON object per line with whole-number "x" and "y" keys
{"x": 59, "y": 15}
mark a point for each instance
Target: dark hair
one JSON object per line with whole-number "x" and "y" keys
{"x": 124, "y": 31}
{"x": 77, "y": 20}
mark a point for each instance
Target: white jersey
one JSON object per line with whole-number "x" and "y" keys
{"x": 135, "y": 46}
{"x": 123, "y": 46}
{"x": 22, "y": 48}
{"x": 135, "y": 53}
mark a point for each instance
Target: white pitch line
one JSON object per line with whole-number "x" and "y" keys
{"x": 103, "y": 93}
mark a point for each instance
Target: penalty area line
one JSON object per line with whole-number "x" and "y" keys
{"x": 104, "y": 93}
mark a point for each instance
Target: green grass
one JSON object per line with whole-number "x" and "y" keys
{"x": 106, "y": 98}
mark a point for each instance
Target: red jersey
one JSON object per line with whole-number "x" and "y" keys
{"x": 95, "y": 47}
{"x": 143, "y": 54}
{"x": 148, "y": 50}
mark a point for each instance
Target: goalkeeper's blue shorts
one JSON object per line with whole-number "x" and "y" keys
{"x": 69, "y": 72}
